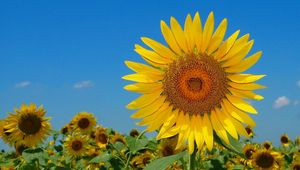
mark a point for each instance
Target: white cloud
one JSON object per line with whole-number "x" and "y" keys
{"x": 83, "y": 84}
{"x": 281, "y": 102}
{"x": 23, "y": 84}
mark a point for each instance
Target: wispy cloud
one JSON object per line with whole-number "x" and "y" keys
{"x": 83, "y": 84}
{"x": 23, "y": 84}
{"x": 281, "y": 102}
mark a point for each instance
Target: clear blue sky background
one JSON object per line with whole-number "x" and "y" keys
{"x": 52, "y": 45}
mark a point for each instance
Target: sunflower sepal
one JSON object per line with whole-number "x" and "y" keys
{"x": 235, "y": 146}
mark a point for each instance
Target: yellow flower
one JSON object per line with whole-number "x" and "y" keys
{"x": 195, "y": 86}
{"x": 141, "y": 160}
{"x": 295, "y": 165}
{"x": 101, "y": 137}
{"x": 249, "y": 130}
{"x": 84, "y": 122}
{"x": 28, "y": 124}
{"x": 76, "y": 145}
{"x": 266, "y": 160}
{"x": 249, "y": 150}
{"x": 118, "y": 138}
{"x": 285, "y": 140}
{"x": 4, "y": 134}
{"x": 134, "y": 133}
{"x": 167, "y": 147}
{"x": 267, "y": 145}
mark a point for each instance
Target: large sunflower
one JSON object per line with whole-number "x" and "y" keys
{"x": 194, "y": 86}
{"x": 28, "y": 124}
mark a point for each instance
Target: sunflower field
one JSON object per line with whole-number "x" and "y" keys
{"x": 194, "y": 97}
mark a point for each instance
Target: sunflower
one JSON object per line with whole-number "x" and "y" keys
{"x": 76, "y": 145}
{"x": 140, "y": 161}
{"x": 250, "y": 132}
{"x": 249, "y": 150}
{"x": 84, "y": 122}
{"x": 285, "y": 140}
{"x": 267, "y": 145}
{"x": 101, "y": 137}
{"x": 295, "y": 165}
{"x": 4, "y": 134}
{"x": 28, "y": 124}
{"x": 134, "y": 133}
{"x": 167, "y": 147}
{"x": 118, "y": 138}
{"x": 266, "y": 160}
{"x": 195, "y": 86}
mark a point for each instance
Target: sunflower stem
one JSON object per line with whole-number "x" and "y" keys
{"x": 192, "y": 161}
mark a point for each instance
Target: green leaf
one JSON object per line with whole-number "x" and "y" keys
{"x": 36, "y": 154}
{"x": 136, "y": 144}
{"x": 105, "y": 157}
{"x": 163, "y": 163}
{"x": 235, "y": 146}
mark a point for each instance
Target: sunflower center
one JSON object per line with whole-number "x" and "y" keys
{"x": 167, "y": 151}
{"x": 265, "y": 160}
{"x": 83, "y": 123}
{"x": 296, "y": 167}
{"x": 284, "y": 139}
{"x": 249, "y": 153}
{"x": 30, "y": 124}
{"x": 195, "y": 84}
{"x": 77, "y": 145}
{"x": 267, "y": 145}
{"x": 102, "y": 138}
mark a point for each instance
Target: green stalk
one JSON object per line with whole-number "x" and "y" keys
{"x": 192, "y": 161}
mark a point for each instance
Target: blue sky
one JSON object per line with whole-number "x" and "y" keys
{"x": 69, "y": 55}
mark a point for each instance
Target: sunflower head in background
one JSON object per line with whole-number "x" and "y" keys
{"x": 194, "y": 86}
{"x": 76, "y": 145}
{"x": 266, "y": 160}
{"x": 249, "y": 150}
{"x": 101, "y": 137}
{"x": 5, "y": 136}
{"x": 84, "y": 122}
{"x": 285, "y": 140}
{"x": 28, "y": 124}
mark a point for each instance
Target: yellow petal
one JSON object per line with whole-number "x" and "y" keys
{"x": 197, "y": 31}
{"x": 169, "y": 133}
{"x": 218, "y": 36}
{"x": 244, "y": 78}
{"x": 142, "y": 78}
{"x": 171, "y": 120}
{"x": 144, "y": 100}
{"x": 246, "y": 86}
{"x": 237, "y": 47}
{"x": 218, "y": 127}
{"x": 159, "y": 48}
{"x": 179, "y": 34}
{"x": 198, "y": 132}
{"x": 241, "y": 104}
{"x": 239, "y": 127}
{"x": 183, "y": 124}
{"x": 150, "y": 109}
{"x": 191, "y": 141}
{"x": 169, "y": 37}
{"x": 239, "y": 56}
{"x": 142, "y": 68}
{"x": 152, "y": 56}
{"x": 159, "y": 120}
{"x": 155, "y": 64}
{"x": 188, "y": 31}
{"x": 207, "y": 31}
{"x": 245, "y": 64}
{"x": 245, "y": 94}
{"x": 226, "y": 46}
{"x": 207, "y": 132}
{"x": 237, "y": 114}
{"x": 153, "y": 117}
{"x": 227, "y": 124}
{"x": 144, "y": 87}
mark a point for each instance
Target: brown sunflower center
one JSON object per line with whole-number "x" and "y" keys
{"x": 267, "y": 145}
{"x": 77, "y": 145}
{"x": 83, "y": 123}
{"x": 284, "y": 139}
{"x": 195, "y": 84}
{"x": 167, "y": 151}
{"x": 102, "y": 138}
{"x": 30, "y": 124}
{"x": 64, "y": 130}
{"x": 265, "y": 160}
{"x": 146, "y": 160}
{"x": 296, "y": 167}
{"x": 249, "y": 153}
